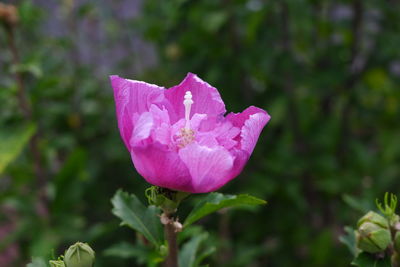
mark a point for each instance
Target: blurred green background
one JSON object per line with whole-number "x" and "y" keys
{"x": 327, "y": 72}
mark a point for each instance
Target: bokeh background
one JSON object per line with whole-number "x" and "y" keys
{"x": 327, "y": 72}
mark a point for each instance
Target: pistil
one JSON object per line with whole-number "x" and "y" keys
{"x": 188, "y": 105}
{"x": 187, "y": 134}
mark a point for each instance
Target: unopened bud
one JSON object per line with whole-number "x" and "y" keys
{"x": 397, "y": 241}
{"x": 79, "y": 255}
{"x": 57, "y": 263}
{"x": 373, "y": 234}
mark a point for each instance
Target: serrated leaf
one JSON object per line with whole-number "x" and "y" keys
{"x": 369, "y": 260}
{"x": 12, "y": 141}
{"x": 134, "y": 214}
{"x": 216, "y": 201}
{"x": 187, "y": 256}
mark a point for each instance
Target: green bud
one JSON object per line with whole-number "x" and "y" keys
{"x": 79, "y": 255}
{"x": 397, "y": 241}
{"x": 374, "y": 218}
{"x": 373, "y": 234}
{"x": 57, "y": 263}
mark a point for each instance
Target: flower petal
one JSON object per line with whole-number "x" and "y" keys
{"x": 209, "y": 167}
{"x": 142, "y": 128}
{"x": 251, "y": 122}
{"x": 133, "y": 97}
{"x": 161, "y": 167}
{"x": 251, "y": 131}
{"x": 206, "y": 99}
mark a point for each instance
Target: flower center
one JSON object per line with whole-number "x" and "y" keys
{"x": 187, "y": 134}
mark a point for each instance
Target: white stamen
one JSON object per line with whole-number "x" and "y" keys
{"x": 188, "y": 104}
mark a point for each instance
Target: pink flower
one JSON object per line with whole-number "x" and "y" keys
{"x": 179, "y": 138}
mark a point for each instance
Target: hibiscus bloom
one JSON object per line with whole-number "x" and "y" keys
{"x": 179, "y": 138}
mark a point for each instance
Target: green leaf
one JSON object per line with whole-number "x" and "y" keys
{"x": 369, "y": 260}
{"x": 12, "y": 141}
{"x": 349, "y": 239}
{"x": 142, "y": 253}
{"x": 126, "y": 250}
{"x": 37, "y": 262}
{"x": 216, "y": 201}
{"x": 135, "y": 215}
{"x": 28, "y": 68}
{"x": 187, "y": 256}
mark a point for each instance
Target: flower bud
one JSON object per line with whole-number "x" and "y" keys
{"x": 79, "y": 255}
{"x": 57, "y": 263}
{"x": 397, "y": 241}
{"x": 373, "y": 233}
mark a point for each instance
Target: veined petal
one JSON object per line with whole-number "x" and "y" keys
{"x": 133, "y": 97}
{"x": 206, "y": 98}
{"x": 251, "y": 122}
{"x": 209, "y": 167}
{"x": 161, "y": 167}
{"x": 142, "y": 128}
{"x": 238, "y": 119}
{"x": 251, "y": 131}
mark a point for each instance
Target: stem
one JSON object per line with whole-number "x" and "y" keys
{"x": 170, "y": 235}
{"x": 28, "y": 115}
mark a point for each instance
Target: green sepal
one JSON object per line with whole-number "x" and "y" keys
{"x": 168, "y": 200}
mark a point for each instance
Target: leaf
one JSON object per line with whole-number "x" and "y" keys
{"x": 187, "y": 257}
{"x": 125, "y": 250}
{"x": 362, "y": 206}
{"x": 369, "y": 260}
{"x": 31, "y": 68}
{"x": 142, "y": 253}
{"x": 216, "y": 201}
{"x": 12, "y": 141}
{"x": 37, "y": 262}
{"x": 349, "y": 239}
{"x": 68, "y": 186}
{"x": 135, "y": 215}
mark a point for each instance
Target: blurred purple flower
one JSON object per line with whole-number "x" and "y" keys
{"x": 10, "y": 253}
{"x": 179, "y": 138}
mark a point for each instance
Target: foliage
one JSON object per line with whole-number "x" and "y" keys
{"x": 328, "y": 73}
{"x": 216, "y": 201}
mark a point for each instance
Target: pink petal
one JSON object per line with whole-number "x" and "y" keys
{"x": 133, "y": 97}
{"x": 142, "y": 128}
{"x": 241, "y": 158}
{"x": 161, "y": 167}
{"x": 209, "y": 167}
{"x": 251, "y": 131}
{"x": 205, "y": 97}
{"x": 161, "y": 131}
{"x": 238, "y": 119}
{"x": 226, "y": 134}
{"x": 251, "y": 122}
{"x": 195, "y": 122}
